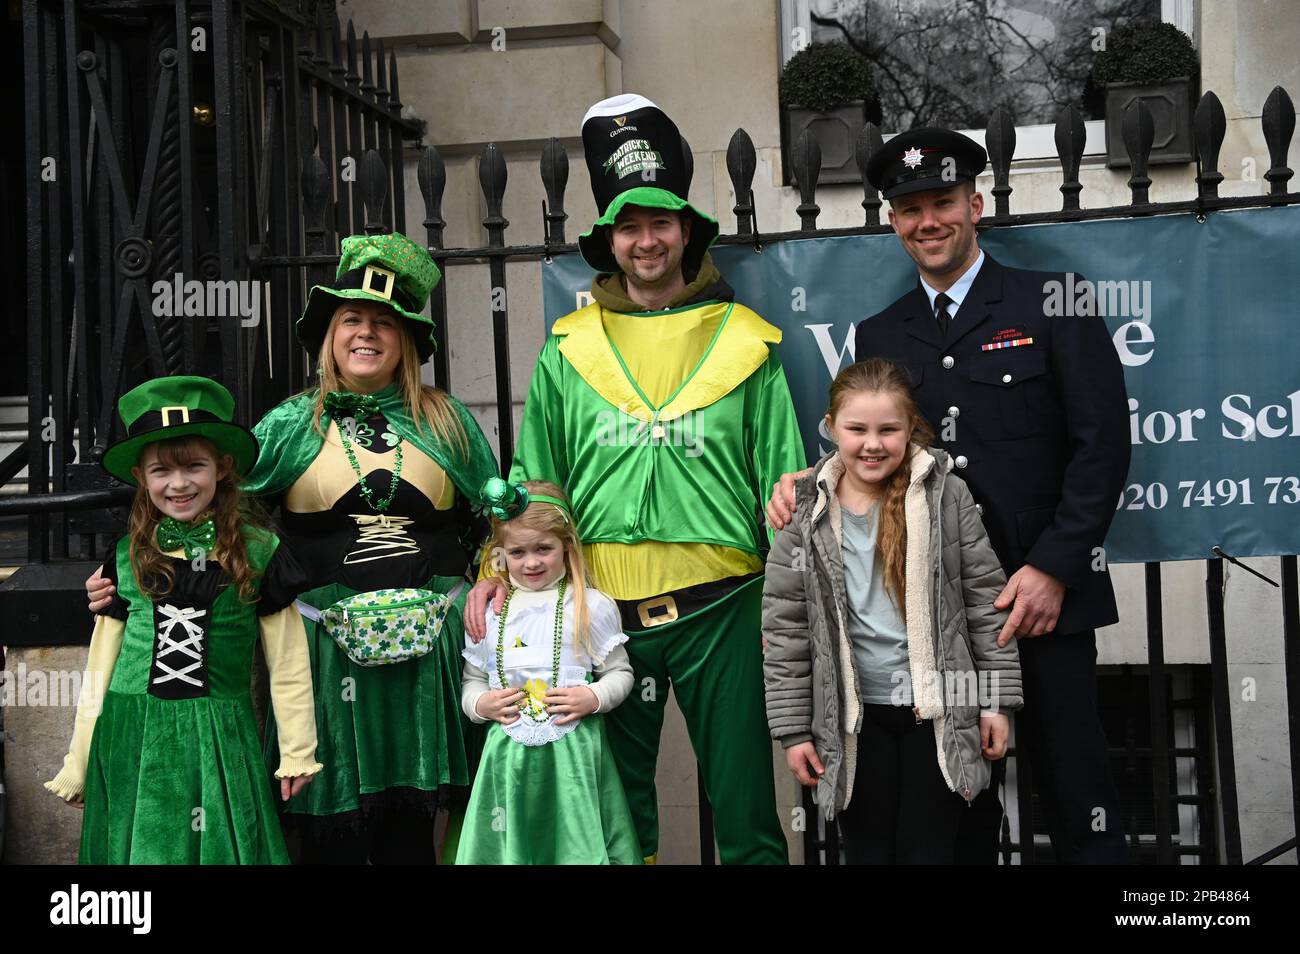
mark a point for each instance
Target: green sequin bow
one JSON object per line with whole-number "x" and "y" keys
{"x": 504, "y": 500}
{"x": 351, "y": 404}
{"x": 193, "y": 538}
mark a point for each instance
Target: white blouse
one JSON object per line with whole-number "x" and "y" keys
{"x": 528, "y": 645}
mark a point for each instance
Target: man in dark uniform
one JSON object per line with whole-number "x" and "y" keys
{"x": 1031, "y": 406}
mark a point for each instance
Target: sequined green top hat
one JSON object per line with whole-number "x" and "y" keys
{"x": 178, "y": 406}
{"x": 636, "y": 156}
{"x": 390, "y": 270}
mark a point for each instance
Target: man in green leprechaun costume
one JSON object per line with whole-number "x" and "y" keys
{"x": 663, "y": 409}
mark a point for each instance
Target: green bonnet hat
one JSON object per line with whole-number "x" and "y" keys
{"x": 178, "y": 406}
{"x": 390, "y": 270}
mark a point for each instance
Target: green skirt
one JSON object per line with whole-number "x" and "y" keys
{"x": 555, "y": 804}
{"x": 382, "y": 731}
{"x": 178, "y": 782}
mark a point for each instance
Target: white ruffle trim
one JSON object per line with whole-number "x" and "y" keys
{"x": 476, "y": 654}
{"x": 602, "y": 644}
{"x": 527, "y": 732}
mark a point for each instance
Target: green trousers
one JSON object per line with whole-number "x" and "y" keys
{"x": 713, "y": 661}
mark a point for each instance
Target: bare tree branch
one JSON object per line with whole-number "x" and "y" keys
{"x": 954, "y": 63}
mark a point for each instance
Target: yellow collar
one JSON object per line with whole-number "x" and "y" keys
{"x": 739, "y": 349}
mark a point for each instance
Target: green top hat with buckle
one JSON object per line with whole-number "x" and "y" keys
{"x": 178, "y": 406}
{"x": 389, "y": 270}
{"x": 636, "y": 156}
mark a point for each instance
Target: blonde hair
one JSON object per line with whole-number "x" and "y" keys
{"x": 430, "y": 407}
{"x": 231, "y": 512}
{"x": 544, "y": 517}
{"x": 878, "y": 376}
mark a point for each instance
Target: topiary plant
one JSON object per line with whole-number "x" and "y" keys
{"x": 825, "y": 75}
{"x": 1145, "y": 53}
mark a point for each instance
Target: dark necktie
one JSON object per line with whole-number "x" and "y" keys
{"x": 941, "y": 302}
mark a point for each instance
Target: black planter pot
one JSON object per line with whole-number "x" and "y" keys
{"x": 836, "y": 131}
{"x": 1170, "y": 104}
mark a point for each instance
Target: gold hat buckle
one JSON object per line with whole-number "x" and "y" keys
{"x": 374, "y": 272}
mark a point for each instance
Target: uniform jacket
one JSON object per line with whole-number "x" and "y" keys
{"x": 952, "y": 578}
{"x": 1040, "y": 429}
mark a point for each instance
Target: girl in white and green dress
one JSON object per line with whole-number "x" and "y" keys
{"x": 547, "y": 790}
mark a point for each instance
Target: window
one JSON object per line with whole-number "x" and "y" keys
{"x": 943, "y": 64}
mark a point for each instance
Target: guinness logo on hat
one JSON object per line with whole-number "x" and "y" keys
{"x": 619, "y": 162}
{"x": 635, "y": 156}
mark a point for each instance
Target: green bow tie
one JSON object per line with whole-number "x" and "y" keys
{"x": 359, "y": 406}
{"x": 195, "y": 539}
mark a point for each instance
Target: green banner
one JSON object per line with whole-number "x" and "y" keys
{"x": 1202, "y": 314}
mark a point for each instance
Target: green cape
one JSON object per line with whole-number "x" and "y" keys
{"x": 290, "y": 443}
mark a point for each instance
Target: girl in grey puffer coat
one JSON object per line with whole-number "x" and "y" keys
{"x": 923, "y": 599}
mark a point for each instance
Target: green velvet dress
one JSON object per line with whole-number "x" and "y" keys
{"x": 175, "y": 774}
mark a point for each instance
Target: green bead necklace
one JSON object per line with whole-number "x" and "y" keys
{"x": 528, "y": 706}
{"x": 366, "y": 491}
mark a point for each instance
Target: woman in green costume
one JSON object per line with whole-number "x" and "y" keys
{"x": 167, "y": 760}
{"x": 377, "y": 477}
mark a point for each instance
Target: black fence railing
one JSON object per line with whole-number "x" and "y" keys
{"x": 291, "y": 131}
{"x": 178, "y": 133}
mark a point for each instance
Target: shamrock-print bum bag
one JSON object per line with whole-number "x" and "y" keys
{"x": 383, "y": 627}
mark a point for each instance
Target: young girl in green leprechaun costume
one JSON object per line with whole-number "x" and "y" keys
{"x": 167, "y": 760}
{"x": 547, "y": 790}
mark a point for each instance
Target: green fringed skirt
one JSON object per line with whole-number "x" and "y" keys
{"x": 178, "y": 782}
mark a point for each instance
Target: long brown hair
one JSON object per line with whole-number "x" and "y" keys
{"x": 230, "y": 510}
{"x": 878, "y": 376}
{"x": 429, "y": 407}
{"x": 545, "y": 517}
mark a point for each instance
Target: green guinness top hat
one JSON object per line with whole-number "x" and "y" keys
{"x": 389, "y": 270}
{"x": 634, "y": 156}
{"x": 178, "y": 406}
